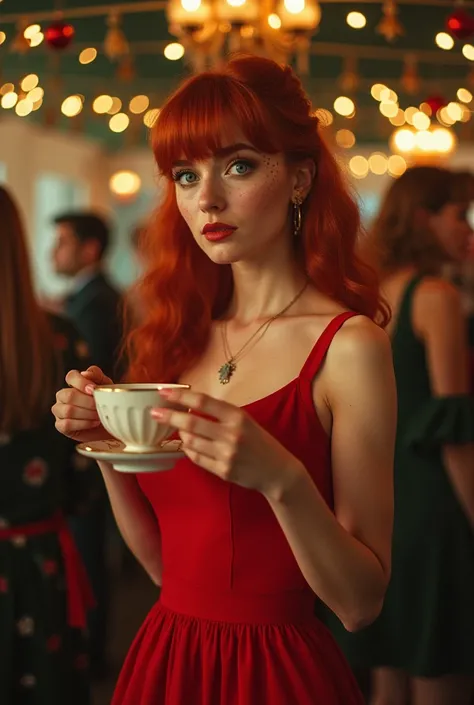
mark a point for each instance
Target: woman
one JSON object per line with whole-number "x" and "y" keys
{"x": 422, "y": 645}
{"x": 43, "y": 591}
{"x": 286, "y": 491}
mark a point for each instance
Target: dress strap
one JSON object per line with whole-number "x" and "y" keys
{"x": 318, "y": 353}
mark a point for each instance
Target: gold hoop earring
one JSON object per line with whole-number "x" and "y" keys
{"x": 297, "y": 215}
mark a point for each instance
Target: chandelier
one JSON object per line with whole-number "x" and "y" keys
{"x": 278, "y": 29}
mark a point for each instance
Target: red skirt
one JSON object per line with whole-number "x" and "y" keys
{"x": 178, "y": 659}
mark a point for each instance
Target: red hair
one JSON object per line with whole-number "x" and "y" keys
{"x": 183, "y": 290}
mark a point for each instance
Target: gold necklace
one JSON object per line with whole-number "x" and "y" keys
{"x": 229, "y": 367}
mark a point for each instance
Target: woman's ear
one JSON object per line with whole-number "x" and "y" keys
{"x": 305, "y": 172}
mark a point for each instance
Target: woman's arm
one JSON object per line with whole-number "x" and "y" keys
{"x": 346, "y": 558}
{"x": 438, "y": 317}
{"x": 135, "y": 519}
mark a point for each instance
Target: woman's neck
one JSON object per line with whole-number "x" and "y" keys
{"x": 262, "y": 292}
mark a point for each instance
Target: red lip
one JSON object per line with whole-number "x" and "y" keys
{"x": 217, "y": 231}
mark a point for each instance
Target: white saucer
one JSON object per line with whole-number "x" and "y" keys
{"x": 112, "y": 451}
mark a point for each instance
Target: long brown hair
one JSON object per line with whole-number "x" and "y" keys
{"x": 28, "y": 371}
{"x": 398, "y": 237}
{"x": 183, "y": 291}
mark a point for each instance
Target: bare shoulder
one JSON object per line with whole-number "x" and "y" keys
{"x": 437, "y": 305}
{"x": 434, "y": 291}
{"x": 359, "y": 341}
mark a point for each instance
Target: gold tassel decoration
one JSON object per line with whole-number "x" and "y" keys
{"x": 20, "y": 45}
{"x": 350, "y": 78}
{"x": 115, "y": 43}
{"x": 410, "y": 79}
{"x": 390, "y": 27}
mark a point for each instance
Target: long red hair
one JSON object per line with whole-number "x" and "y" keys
{"x": 183, "y": 291}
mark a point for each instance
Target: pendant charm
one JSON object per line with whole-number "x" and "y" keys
{"x": 226, "y": 372}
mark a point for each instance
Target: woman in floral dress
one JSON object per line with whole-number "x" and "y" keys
{"x": 44, "y": 594}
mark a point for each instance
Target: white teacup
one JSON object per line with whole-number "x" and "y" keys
{"x": 124, "y": 410}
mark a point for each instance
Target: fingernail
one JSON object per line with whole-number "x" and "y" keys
{"x": 166, "y": 392}
{"x": 158, "y": 413}
{"x": 94, "y": 424}
{"x": 90, "y": 388}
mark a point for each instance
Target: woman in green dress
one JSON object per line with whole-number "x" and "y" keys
{"x": 421, "y": 648}
{"x": 44, "y": 593}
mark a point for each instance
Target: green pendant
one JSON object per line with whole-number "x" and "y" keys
{"x": 226, "y": 372}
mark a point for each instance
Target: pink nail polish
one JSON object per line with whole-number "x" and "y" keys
{"x": 157, "y": 413}
{"x": 166, "y": 392}
{"x": 89, "y": 388}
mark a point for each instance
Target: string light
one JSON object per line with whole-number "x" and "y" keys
{"x": 404, "y": 140}
{"x": 464, "y": 95}
{"x": 23, "y": 107}
{"x": 174, "y": 51}
{"x": 116, "y": 106}
{"x": 119, "y": 122}
{"x": 388, "y": 96}
{"x": 345, "y": 139}
{"x": 454, "y": 111}
{"x": 376, "y": 91}
{"x": 410, "y": 113}
{"x": 274, "y": 21}
{"x": 37, "y": 39}
{"x": 396, "y": 165}
{"x": 325, "y": 117}
{"x": 445, "y": 118}
{"x": 444, "y": 41}
{"x": 9, "y": 100}
{"x": 87, "y": 56}
{"x": 102, "y": 104}
{"x": 359, "y": 166}
{"x": 378, "y": 163}
{"x": 139, "y": 104}
{"x": 468, "y": 51}
{"x": 29, "y": 82}
{"x": 36, "y": 94}
{"x": 150, "y": 117}
{"x": 125, "y": 183}
{"x": 3, "y": 36}
{"x": 7, "y": 88}
{"x": 356, "y": 20}
{"x": 344, "y": 106}
{"x": 31, "y": 31}
{"x": 71, "y": 106}
{"x": 399, "y": 119}
{"x": 421, "y": 121}
{"x": 389, "y": 109}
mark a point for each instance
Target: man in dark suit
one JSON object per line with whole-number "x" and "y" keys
{"x": 93, "y": 305}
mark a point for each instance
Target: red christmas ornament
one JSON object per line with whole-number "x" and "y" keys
{"x": 436, "y": 102}
{"x": 460, "y": 24}
{"x": 59, "y": 35}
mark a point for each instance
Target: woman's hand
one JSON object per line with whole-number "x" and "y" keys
{"x": 75, "y": 409}
{"x": 232, "y": 446}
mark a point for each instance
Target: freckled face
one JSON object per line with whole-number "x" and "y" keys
{"x": 241, "y": 188}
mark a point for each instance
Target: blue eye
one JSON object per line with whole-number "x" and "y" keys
{"x": 185, "y": 178}
{"x": 241, "y": 167}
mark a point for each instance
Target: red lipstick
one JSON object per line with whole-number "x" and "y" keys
{"x": 214, "y": 232}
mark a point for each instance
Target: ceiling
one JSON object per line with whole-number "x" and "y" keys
{"x": 147, "y": 32}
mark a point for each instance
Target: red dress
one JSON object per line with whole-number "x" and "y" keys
{"x": 235, "y": 622}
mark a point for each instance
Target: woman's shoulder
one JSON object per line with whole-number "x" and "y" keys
{"x": 359, "y": 339}
{"x": 436, "y": 297}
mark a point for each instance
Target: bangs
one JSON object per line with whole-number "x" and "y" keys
{"x": 199, "y": 120}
